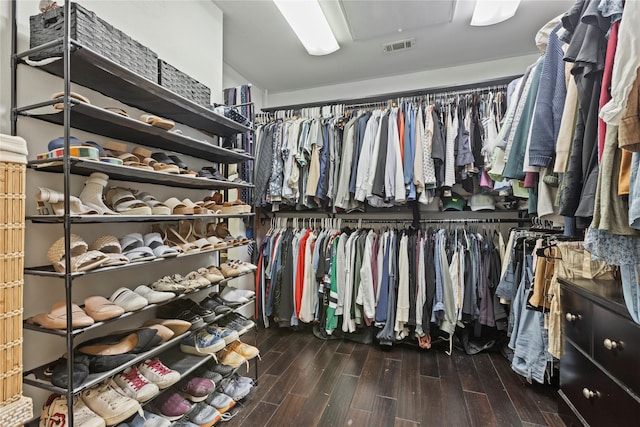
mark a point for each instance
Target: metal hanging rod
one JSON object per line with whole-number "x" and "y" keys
{"x": 482, "y": 85}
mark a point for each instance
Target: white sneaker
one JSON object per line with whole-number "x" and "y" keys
{"x": 109, "y": 401}
{"x": 135, "y": 385}
{"x": 54, "y": 413}
{"x": 232, "y": 294}
{"x": 129, "y": 300}
{"x": 154, "y": 297}
{"x": 156, "y": 372}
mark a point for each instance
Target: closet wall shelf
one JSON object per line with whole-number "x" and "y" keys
{"x": 92, "y": 219}
{"x": 96, "y": 72}
{"x": 97, "y": 120}
{"x": 93, "y": 379}
{"x": 126, "y": 173}
{"x": 48, "y": 271}
{"x": 78, "y": 331}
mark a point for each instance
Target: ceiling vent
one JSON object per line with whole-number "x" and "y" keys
{"x": 399, "y": 45}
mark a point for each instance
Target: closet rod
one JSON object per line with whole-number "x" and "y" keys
{"x": 406, "y": 94}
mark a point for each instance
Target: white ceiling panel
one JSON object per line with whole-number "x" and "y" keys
{"x": 372, "y": 19}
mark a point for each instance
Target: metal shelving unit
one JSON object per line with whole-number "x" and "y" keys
{"x": 97, "y": 72}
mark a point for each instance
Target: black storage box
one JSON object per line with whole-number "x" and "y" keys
{"x": 93, "y": 32}
{"x": 182, "y": 84}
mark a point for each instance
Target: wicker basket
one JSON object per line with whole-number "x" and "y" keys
{"x": 16, "y": 413}
{"x": 96, "y": 34}
{"x": 180, "y": 83}
{"x": 12, "y": 224}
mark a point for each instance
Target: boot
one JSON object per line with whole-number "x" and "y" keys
{"x": 92, "y": 193}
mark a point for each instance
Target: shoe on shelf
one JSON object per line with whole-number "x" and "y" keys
{"x": 201, "y": 343}
{"x": 54, "y": 413}
{"x": 167, "y": 284}
{"x": 243, "y": 380}
{"x": 181, "y": 312}
{"x": 233, "y": 294}
{"x": 211, "y": 304}
{"x": 213, "y": 376}
{"x": 234, "y": 389}
{"x": 99, "y": 308}
{"x": 228, "y": 357}
{"x": 129, "y": 300}
{"x": 245, "y": 350}
{"x": 92, "y": 196}
{"x": 220, "y": 401}
{"x": 224, "y": 370}
{"x": 172, "y": 405}
{"x": 196, "y": 389}
{"x": 212, "y": 275}
{"x": 229, "y": 271}
{"x": 189, "y": 304}
{"x": 199, "y": 278}
{"x": 217, "y": 298}
{"x": 203, "y": 414}
{"x": 177, "y": 326}
{"x": 110, "y": 402}
{"x": 135, "y": 385}
{"x": 242, "y": 325}
{"x": 146, "y": 419}
{"x": 153, "y": 296}
{"x": 159, "y": 374}
{"x": 243, "y": 269}
{"x": 228, "y": 335}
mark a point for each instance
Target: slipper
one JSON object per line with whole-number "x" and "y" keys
{"x": 110, "y": 246}
{"x": 217, "y": 242}
{"x": 57, "y": 318}
{"x": 131, "y": 160}
{"x": 123, "y": 201}
{"x": 100, "y": 309}
{"x": 178, "y": 207}
{"x": 132, "y": 342}
{"x": 242, "y": 240}
{"x": 115, "y": 148}
{"x": 197, "y": 209}
{"x": 141, "y": 153}
{"x": 134, "y": 249}
{"x": 76, "y": 97}
{"x": 178, "y": 326}
{"x": 117, "y": 110}
{"x": 160, "y": 250}
{"x": 158, "y": 121}
{"x": 81, "y": 260}
{"x": 157, "y": 207}
{"x": 211, "y": 173}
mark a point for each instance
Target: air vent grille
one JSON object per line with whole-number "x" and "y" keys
{"x": 399, "y": 45}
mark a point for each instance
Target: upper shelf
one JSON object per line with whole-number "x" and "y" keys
{"x": 82, "y": 166}
{"x": 96, "y": 72}
{"x": 94, "y": 119}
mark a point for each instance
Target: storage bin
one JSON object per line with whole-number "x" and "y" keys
{"x": 182, "y": 84}
{"x": 96, "y": 34}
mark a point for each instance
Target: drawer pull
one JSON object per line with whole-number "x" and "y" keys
{"x": 612, "y": 345}
{"x": 588, "y": 394}
{"x": 572, "y": 317}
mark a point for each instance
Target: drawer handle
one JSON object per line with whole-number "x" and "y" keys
{"x": 588, "y": 394}
{"x": 572, "y": 317}
{"x": 612, "y": 345}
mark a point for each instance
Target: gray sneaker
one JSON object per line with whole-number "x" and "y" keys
{"x": 203, "y": 414}
{"x": 236, "y": 390}
{"x": 221, "y": 402}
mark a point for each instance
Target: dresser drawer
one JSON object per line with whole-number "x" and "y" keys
{"x": 598, "y": 399}
{"x": 616, "y": 346}
{"x": 577, "y": 318}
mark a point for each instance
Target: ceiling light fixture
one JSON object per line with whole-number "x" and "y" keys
{"x": 307, "y": 20}
{"x": 490, "y": 12}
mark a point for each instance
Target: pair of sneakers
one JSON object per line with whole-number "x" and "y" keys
{"x": 235, "y": 296}
{"x": 237, "y": 353}
{"x": 145, "y": 381}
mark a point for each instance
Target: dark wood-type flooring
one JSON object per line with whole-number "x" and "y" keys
{"x": 304, "y": 381}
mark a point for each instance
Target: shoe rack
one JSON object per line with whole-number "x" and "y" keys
{"x": 90, "y": 70}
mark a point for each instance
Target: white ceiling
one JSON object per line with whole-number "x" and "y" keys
{"x": 259, "y": 44}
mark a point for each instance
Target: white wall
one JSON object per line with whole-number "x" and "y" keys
{"x": 187, "y": 34}
{"x": 462, "y": 74}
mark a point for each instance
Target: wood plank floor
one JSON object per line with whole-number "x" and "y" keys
{"x": 304, "y": 382}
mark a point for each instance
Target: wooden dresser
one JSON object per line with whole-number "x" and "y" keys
{"x": 600, "y": 367}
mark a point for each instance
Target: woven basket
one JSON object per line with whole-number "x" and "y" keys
{"x": 96, "y": 34}
{"x": 16, "y": 413}
{"x": 12, "y": 223}
{"x": 182, "y": 84}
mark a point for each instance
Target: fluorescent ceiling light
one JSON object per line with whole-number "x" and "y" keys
{"x": 489, "y": 12}
{"x": 310, "y": 25}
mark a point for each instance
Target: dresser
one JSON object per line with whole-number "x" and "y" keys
{"x": 600, "y": 366}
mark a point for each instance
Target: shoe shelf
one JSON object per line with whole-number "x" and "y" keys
{"x": 78, "y": 331}
{"x": 92, "y": 219}
{"x": 97, "y": 120}
{"x": 48, "y": 270}
{"x": 96, "y": 72}
{"x": 33, "y": 376}
{"x": 81, "y": 166}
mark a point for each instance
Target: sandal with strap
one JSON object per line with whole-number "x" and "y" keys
{"x": 178, "y": 207}
{"x": 81, "y": 259}
{"x": 185, "y": 228}
{"x": 160, "y": 250}
{"x": 131, "y": 160}
{"x": 110, "y": 246}
{"x": 123, "y": 201}
{"x": 176, "y": 239}
{"x": 134, "y": 249}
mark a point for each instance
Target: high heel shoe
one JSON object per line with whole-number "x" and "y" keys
{"x": 91, "y": 194}
{"x": 51, "y": 202}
